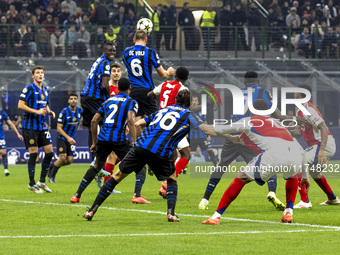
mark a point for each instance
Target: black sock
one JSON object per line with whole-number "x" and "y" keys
{"x": 140, "y": 179}
{"x": 211, "y": 187}
{"x": 5, "y": 161}
{"x": 44, "y": 166}
{"x": 213, "y": 157}
{"x": 89, "y": 140}
{"x": 87, "y": 179}
{"x": 54, "y": 170}
{"x": 272, "y": 184}
{"x": 171, "y": 196}
{"x": 104, "y": 193}
{"x": 31, "y": 167}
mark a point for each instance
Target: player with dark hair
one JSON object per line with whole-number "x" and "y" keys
{"x": 97, "y": 88}
{"x": 3, "y": 148}
{"x": 321, "y": 147}
{"x": 139, "y": 60}
{"x": 34, "y": 102}
{"x": 68, "y": 123}
{"x": 165, "y": 128}
{"x": 115, "y": 113}
{"x": 231, "y": 151}
{"x": 279, "y": 149}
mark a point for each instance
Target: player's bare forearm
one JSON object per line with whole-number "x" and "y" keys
{"x": 50, "y": 112}
{"x": 97, "y": 118}
{"x": 131, "y": 125}
{"x": 300, "y": 120}
{"x": 140, "y": 123}
{"x": 10, "y": 123}
{"x": 324, "y": 135}
{"x": 23, "y": 106}
{"x": 296, "y": 132}
{"x": 106, "y": 84}
{"x": 61, "y": 131}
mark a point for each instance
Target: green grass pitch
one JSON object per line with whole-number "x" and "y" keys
{"x": 49, "y": 224}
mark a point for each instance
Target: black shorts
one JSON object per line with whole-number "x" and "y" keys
{"x": 104, "y": 149}
{"x": 138, "y": 157}
{"x": 90, "y": 107}
{"x": 65, "y": 147}
{"x": 231, "y": 151}
{"x": 35, "y": 138}
{"x": 146, "y": 105}
{"x": 201, "y": 142}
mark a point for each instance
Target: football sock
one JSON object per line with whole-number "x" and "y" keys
{"x": 31, "y": 167}
{"x": 302, "y": 191}
{"x": 291, "y": 190}
{"x": 104, "y": 192}
{"x": 323, "y": 184}
{"x": 213, "y": 157}
{"x": 272, "y": 184}
{"x": 211, "y": 187}
{"x": 229, "y": 195}
{"x": 87, "y": 179}
{"x": 44, "y": 165}
{"x": 108, "y": 168}
{"x": 5, "y": 161}
{"x": 54, "y": 170}
{"x": 180, "y": 165}
{"x": 140, "y": 179}
{"x": 171, "y": 196}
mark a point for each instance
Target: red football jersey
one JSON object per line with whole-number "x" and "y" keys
{"x": 113, "y": 89}
{"x": 168, "y": 92}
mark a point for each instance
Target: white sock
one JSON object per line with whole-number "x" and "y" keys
{"x": 216, "y": 215}
{"x": 288, "y": 210}
{"x": 205, "y": 201}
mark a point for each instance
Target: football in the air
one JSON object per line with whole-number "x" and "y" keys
{"x": 145, "y": 24}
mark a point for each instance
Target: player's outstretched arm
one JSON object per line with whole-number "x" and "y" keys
{"x": 140, "y": 123}
{"x": 10, "y": 123}
{"x": 165, "y": 73}
{"x": 131, "y": 125}
{"x": 300, "y": 120}
{"x": 322, "y": 159}
{"x": 97, "y": 118}
{"x": 151, "y": 94}
{"x": 106, "y": 84}
{"x": 296, "y": 132}
{"x": 62, "y": 132}
{"x": 23, "y": 106}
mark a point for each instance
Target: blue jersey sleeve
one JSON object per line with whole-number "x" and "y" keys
{"x": 26, "y": 93}
{"x": 101, "y": 111}
{"x": 5, "y": 116}
{"x": 133, "y": 107}
{"x": 106, "y": 68}
{"x": 156, "y": 62}
{"x": 195, "y": 120}
{"x": 61, "y": 118}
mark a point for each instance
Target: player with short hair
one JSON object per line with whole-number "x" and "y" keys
{"x": 3, "y": 148}
{"x": 115, "y": 113}
{"x": 34, "y": 102}
{"x": 97, "y": 88}
{"x": 279, "y": 150}
{"x": 68, "y": 123}
{"x": 165, "y": 128}
{"x": 321, "y": 147}
{"x": 168, "y": 91}
{"x": 139, "y": 60}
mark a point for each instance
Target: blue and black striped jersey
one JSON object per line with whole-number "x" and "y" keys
{"x": 115, "y": 113}
{"x": 258, "y": 93}
{"x": 165, "y": 130}
{"x": 94, "y": 87}
{"x": 70, "y": 121}
{"x": 35, "y": 98}
{"x": 196, "y": 133}
{"x": 3, "y": 117}
{"x": 139, "y": 61}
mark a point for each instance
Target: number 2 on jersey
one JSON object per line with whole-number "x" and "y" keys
{"x": 110, "y": 119}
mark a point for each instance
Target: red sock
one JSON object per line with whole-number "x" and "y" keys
{"x": 323, "y": 184}
{"x": 180, "y": 166}
{"x": 108, "y": 168}
{"x": 292, "y": 185}
{"x": 302, "y": 191}
{"x": 229, "y": 195}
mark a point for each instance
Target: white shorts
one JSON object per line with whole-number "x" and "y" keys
{"x": 312, "y": 152}
{"x": 183, "y": 143}
{"x": 288, "y": 161}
